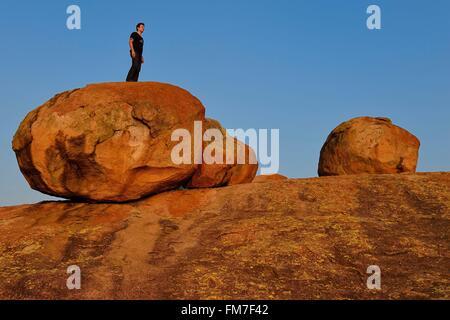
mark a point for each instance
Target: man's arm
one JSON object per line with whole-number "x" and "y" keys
{"x": 130, "y": 42}
{"x": 142, "y": 57}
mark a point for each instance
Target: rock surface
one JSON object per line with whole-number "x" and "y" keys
{"x": 269, "y": 178}
{"x": 242, "y": 166}
{"x": 111, "y": 142}
{"x": 368, "y": 145}
{"x": 290, "y": 239}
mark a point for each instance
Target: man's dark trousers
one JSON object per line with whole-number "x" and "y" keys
{"x": 133, "y": 74}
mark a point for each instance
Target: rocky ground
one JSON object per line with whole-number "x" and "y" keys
{"x": 283, "y": 239}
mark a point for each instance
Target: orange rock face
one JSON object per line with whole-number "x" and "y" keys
{"x": 241, "y": 168}
{"x": 269, "y": 178}
{"x": 290, "y": 239}
{"x": 368, "y": 145}
{"x": 107, "y": 142}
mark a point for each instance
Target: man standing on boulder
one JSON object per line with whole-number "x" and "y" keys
{"x": 136, "y": 43}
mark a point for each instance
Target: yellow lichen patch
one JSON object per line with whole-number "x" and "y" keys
{"x": 30, "y": 248}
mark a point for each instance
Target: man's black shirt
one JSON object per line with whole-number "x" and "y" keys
{"x": 138, "y": 43}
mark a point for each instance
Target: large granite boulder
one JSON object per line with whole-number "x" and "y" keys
{"x": 107, "y": 142}
{"x": 115, "y": 142}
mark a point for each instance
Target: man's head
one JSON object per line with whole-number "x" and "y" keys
{"x": 140, "y": 27}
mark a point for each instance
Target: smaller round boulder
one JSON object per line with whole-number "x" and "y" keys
{"x": 368, "y": 145}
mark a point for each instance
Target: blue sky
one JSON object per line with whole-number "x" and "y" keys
{"x": 300, "y": 66}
